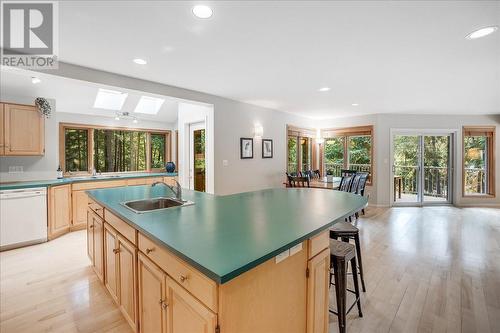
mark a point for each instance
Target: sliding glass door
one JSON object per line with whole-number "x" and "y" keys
{"x": 422, "y": 168}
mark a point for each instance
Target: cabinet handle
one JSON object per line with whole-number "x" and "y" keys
{"x": 183, "y": 278}
{"x": 148, "y": 251}
{"x": 91, "y": 226}
{"x": 164, "y": 305}
{"x": 115, "y": 251}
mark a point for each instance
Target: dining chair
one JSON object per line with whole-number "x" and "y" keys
{"x": 317, "y": 174}
{"x": 346, "y": 172}
{"x": 298, "y": 181}
{"x": 345, "y": 183}
{"x": 361, "y": 185}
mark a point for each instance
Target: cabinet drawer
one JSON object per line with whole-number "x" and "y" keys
{"x": 98, "y": 209}
{"x": 136, "y": 181}
{"x": 318, "y": 243}
{"x": 121, "y": 226}
{"x": 99, "y": 184}
{"x": 195, "y": 282}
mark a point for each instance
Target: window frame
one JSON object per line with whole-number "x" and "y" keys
{"x": 490, "y": 159}
{"x": 347, "y": 132}
{"x": 90, "y": 146}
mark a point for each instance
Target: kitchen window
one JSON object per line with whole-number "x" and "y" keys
{"x": 108, "y": 150}
{"x": 348, "y": 148}
{"x": 478, "y": 161}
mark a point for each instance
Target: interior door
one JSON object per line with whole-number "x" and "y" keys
{"x": 197, "y": 163}
{"x": 422, "y": 168}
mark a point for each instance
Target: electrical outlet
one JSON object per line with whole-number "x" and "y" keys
{"x": 16, "y": 169}
{"x": 296, "y": 249}
{"x": 282, "y": 256}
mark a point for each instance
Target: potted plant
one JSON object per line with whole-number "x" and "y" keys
{"x": 329, "y": 176}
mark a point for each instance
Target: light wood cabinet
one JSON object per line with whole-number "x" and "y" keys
{"x": 24, "y": 130}
{"x": 127, "y": 295}
{"x": 151, "y": 180}
{"x": 110, "y": 264}
{"x": 59, "y": 210}
{"x": 317, "y": 292}
{"x": 95, "y": 242}
{"x": 2, "y": 132}
{"x": 151, "y": 294}
{"x": 185, "y": 313}
{"x": 79, "y": 205}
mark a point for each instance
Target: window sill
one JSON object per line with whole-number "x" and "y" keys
{"x": 479, "y": 196}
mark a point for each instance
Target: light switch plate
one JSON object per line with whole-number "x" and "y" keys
{"x": 225, "y": 163}
{"x": 282, "y": 256}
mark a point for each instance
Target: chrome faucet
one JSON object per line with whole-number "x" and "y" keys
{"x": 177, "y": 189}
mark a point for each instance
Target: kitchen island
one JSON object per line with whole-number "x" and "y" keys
{"x": 249, "y": 262}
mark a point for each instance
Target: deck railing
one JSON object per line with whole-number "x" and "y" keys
{"x": 337, "y": 167}
{"x": 435, "y": 180}
{"x": 475, "y": 181}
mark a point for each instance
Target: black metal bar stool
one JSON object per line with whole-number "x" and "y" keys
{"x": 346, "y": 231}
{"x": 340, "y": 255}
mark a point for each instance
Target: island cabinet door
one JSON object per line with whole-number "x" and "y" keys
{"x": 110, "y": 264}
{"x": 151, "y": 283}
{"x": 98, "y": 259}
{"x": 317, "y": 292}
{"x": 185, "y": 313}
{"x": 127, "y": 280}
{"x": 90, "y": 236}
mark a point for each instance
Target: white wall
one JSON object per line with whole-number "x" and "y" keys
{"x": 383, "y": 123}
{"x": 44, "y": 167}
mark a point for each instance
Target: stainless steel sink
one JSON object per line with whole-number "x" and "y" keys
{"x": 154, "y": 204}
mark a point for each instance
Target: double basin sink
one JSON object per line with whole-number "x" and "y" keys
{"x": 154, "y": 204}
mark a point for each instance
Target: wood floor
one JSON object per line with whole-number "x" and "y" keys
{"x": 433, "y": 269}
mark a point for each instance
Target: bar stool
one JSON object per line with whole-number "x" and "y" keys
{"x": 346, "y": 231}
{"x": 340, "y": 255}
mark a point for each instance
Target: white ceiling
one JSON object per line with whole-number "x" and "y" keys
{"x": 388, "y": 56}
{"x": 75, "y": 96}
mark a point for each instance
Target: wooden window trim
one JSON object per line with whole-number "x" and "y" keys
{"x": 90, "y": 145}
{"x": 346, "y": 132}
{"x": 490, "y": 133}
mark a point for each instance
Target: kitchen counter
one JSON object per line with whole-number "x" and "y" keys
{"x": 225, "y": 236}
{"x": 70, "y": 180}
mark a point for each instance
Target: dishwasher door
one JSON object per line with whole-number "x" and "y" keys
{"x": 23, "y": 217}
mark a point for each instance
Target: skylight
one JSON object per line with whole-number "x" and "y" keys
{"x": 149, "y": 105}
{"x": 110, "y": 99}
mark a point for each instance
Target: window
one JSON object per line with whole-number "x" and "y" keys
{"x": 478, "y": 161}
{"x": 76, "y": 150}
{"x": 112, "y": 149}
{"x": 293, "y": 160}
{"x": 300, "y": 149}
{"x": 348, "y": 148}
{"x": 119, "y": 150}
{"x": 158, "y": 144}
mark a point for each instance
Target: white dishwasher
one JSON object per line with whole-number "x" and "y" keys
{"x": 23, "y": 217}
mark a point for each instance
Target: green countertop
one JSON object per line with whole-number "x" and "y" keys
{"x": 225, "y": 236}
{"x": 53, "y": 182}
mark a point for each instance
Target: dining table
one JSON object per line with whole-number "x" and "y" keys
{"x": 323, "y": 183}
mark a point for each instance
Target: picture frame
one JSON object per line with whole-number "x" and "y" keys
{"x": 267, "y": 148}
{"x": 246, "y": 148}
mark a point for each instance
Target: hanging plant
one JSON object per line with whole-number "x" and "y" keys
{"x": 43, "y": 107}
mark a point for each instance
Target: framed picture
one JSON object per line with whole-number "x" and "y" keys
{"x": 267, "y": 148}
{"x": 246, "y": 148}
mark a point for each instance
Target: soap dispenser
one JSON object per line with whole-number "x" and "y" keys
{"x": 59, "y": 173}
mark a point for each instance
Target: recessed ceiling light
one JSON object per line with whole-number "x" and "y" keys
{"x": 140, "y": 61}
{"x": 35, "y": 80}
{"x": 202, "y": 11}
{"x": 323, "y": 89}
{"x": 482, "y": 32}
{"x": 117, "y": 117}
{"x": 110, "y": 99}
{"x": 135, "y": 121}
{"x": 355, "y": 104}
{"x": 149, "y": 105}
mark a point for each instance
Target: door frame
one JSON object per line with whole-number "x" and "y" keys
{"x": 194, "y": 127}
{"x": 453, "y": 133}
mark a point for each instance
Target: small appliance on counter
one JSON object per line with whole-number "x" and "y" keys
{"x": 170, "y": 166}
